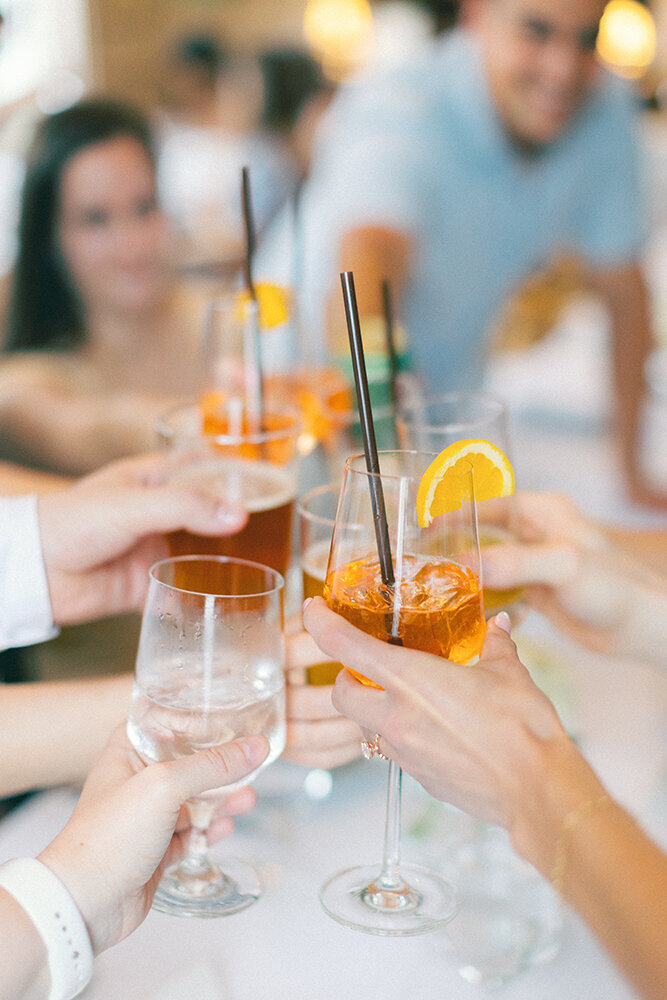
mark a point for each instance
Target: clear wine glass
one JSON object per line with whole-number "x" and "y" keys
{"x": 434, "y": 604}
{"x": 432, "y": 424}
{"x": 209, "y": 670}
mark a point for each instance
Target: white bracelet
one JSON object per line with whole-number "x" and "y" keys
{"x": 55, "y": 915}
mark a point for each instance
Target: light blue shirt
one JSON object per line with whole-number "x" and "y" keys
{"x": 422, "y": 150}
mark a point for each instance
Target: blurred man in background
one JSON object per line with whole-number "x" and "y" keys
{"x": 457, "y": 176}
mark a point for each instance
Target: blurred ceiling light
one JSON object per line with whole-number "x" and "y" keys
{"x": 627, "y": 38}
{"x": 339, "y": 32}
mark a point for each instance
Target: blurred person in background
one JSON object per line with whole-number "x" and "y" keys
{"x": 460, "y": 174}
{"x": 209, "y": 128}
{"x": 101, "y": 335}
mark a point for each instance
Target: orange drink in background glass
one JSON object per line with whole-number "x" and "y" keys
{"x": 316, "y": 511}
{"x": 237, "y": 461}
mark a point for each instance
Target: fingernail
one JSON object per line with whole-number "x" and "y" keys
{"x": 503, "y": 621}
{"x": 228, "y": 517}
{"x": 306, "y": 603}
{"x": 250, "y": 749}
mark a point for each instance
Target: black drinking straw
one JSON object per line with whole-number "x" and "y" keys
{"x": 388, "y": 311}
{"x": 367, "y": 429}
{"x": 256, "y": 404}
{"x": 249, "y": 227}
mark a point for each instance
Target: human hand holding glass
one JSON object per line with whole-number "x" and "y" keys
{"x": 209, "y": 670}
{"x": 434, "y": 604}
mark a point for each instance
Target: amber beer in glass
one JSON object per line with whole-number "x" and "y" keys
{"x": 241, "y": 463}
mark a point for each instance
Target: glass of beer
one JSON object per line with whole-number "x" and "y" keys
{"x": 432, "y": 424}
{"x": 242, "y": 461}
{"x": 316, "y": 511}
{"x": 210, "y": 669}
{"x": 431, "y": 601}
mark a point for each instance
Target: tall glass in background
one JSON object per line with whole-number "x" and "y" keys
{"x": 432, "y": 424}
{"x": 435, "y": 605}
{"x": 254, "y": 466}
{"x": 316, "y": 511}
{"x": 209, "y": 670}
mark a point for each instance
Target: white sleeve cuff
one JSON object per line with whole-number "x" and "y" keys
{"x": 25, "y": 607}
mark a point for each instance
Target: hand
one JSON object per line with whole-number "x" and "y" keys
{"x": 100, "y": 537}
{"x": 471, "y": 735}
{"x": 574, "y": 574}
{"x": 317, "y": 735}
{"x": 130, "y": 824}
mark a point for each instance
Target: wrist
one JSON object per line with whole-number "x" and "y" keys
{"x": 56, "y": 917}
{"x": 558, "y": 782}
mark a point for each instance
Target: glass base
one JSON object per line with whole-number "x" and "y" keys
{"x": 213, "y": 894}
{"x": 357, "y": 899}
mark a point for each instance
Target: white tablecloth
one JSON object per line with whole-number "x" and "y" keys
{"x": 286, "y": 948}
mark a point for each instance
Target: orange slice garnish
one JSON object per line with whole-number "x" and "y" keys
{"x": 272, "y": 301}
{"x": 446, "y": 484}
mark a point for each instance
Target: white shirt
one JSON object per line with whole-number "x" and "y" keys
{"x": 25, "y": 608}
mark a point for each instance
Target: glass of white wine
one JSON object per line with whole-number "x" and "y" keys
{"x": 210, "y": 669}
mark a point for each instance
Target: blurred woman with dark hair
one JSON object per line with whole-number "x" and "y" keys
{"x": 97, "y": 340}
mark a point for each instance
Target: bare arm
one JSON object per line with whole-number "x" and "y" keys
{"x": 373, "y": 254}
{"x": 49, "y": 420}
{"x": 488, "y": 740}
{"x": 15, "y": 480}
{"x": 624, "y": 291}
{"x": 74, "y": 720}
{"x": 24, "y": 972}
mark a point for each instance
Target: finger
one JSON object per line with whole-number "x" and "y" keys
{"x": 326, "y": 759}
{"x": 181, "y": 779}
{"x": 302, "y": 651}
{"x": 510, "y": 565}
{"x": 167, "y": 508}
{"x": 343, "y": 642}
{"x": 498, "y": 649}
{"x": 358, "y": 702}
{"x": 327, "y": 734}
{"x": 310, "y": 702}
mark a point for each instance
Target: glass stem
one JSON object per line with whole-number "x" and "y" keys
{"x": 197, "y": 861}
{"x": 390, "y": 876}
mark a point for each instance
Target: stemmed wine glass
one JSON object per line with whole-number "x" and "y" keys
{"x": 434, "y": 603}
{"x": 209, "y": 670}
{"x": 432, "y": 424}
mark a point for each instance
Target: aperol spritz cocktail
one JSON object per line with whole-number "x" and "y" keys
{"x": 428, "y": 598}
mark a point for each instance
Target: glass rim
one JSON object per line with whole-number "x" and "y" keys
{"x": 278, "y": 577}
{"x": 389, "y": 475}
{"x": 407, "y": 412}
{"x": 316, "y": 491}
{"x": 163, "y": 429}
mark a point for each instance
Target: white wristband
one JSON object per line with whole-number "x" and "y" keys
{"x": 55, "y": 915}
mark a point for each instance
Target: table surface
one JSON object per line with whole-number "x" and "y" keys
{"x": 285, "y": 947}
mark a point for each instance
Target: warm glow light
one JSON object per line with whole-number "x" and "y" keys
{"x": 339, "y": 32}
{"x": 627, "y": 38}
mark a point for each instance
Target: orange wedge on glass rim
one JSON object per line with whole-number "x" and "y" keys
{"x": 445, "y": 485}
{"x": 272, "y": 302}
